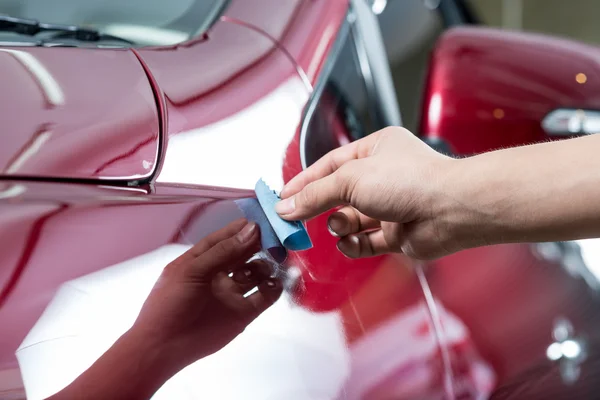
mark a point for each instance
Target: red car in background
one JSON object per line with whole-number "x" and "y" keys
{"x": 129, "y": 130}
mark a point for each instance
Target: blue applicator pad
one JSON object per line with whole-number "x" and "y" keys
{"x": 292, "y": 234}
{"x": 277, "y": 234}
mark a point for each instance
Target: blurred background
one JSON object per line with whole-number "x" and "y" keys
{"x": 576, "y": 19}
{"x": 573, "y": 19}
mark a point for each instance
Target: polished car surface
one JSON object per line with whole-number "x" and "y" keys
{"x": 116, "y": 158}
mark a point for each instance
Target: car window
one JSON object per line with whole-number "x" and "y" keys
{"x": 343, "y": 109}
{"x": 145, "y": 22}
{"x": 410, "y": 29}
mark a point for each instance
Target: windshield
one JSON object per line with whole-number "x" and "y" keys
{"x": 144, "y": 22}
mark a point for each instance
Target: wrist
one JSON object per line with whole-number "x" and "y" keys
{"x": 135, "y": 367}
{"x": 154, "y": 356}
{"x": 467, "y": 209}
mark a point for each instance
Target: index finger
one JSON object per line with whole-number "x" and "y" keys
{"x": 330, "y": 163}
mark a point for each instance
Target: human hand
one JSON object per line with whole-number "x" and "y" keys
{"x": 397, "y": 192}
{"x": 195, "y": 308}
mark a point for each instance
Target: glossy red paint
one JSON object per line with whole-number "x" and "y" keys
{"x": 331, "y": 279}
{"x": 510, "y": 298}
{"x": 489, "y": 88}
{"x": 237, "y": 97}
{"x": 77, "y": 114}
{"x": 220, "y": 93}
{"x": 306, "y": 29}
{"x": 311, "y": 33}
{"x": 61, "y": 232}
{"x": 57, "y": 228}
{"x": 307, "y": 36}
{"x": 273, "y": 17}
{"x": 198, "y": 85}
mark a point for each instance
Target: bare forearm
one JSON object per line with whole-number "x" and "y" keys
{"x": 194, "y": 310}
{"x": 544, "y": 192}
{"x": 133, "y": 368}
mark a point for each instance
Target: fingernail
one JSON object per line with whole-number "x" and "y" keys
{"x": 337, "y": 224}
{"x": 341, "y": 246}
{"x": 246, "y": 233}
{"x": 286, "y": 206}
{"x": 348, "y": 246}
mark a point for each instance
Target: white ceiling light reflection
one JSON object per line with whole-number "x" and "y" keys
{"x": 28, "y": 152}
{"x": 570, "y": 349}
{"x": 12, "y": 191}
{"x": 84, "y": 318}
{"x": 237, "y": 151}
{"x": 590, "y": 252}
{"x": 554, "y": 352}
{"x": 50, "y": 87}
{"x": 287, "y": 352}
{"x": 146, "y": 34}
{"x": 435, "y": 112}
{"x": 379, "y": 6}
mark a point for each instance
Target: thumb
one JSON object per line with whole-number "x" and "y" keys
{"x": 317, "y": 197}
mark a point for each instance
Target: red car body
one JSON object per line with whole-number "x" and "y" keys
{"x": 114, "y": 160}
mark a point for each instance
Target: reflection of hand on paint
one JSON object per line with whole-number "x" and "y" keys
{"x": 198, "y": 305}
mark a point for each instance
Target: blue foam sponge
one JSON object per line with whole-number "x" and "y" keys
{"x": 292, "y": 234}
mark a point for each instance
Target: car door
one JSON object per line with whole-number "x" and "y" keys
{"x": 397, "y": 346}
{"x": 234, "y": 104}
{"x": 274, "y": 117}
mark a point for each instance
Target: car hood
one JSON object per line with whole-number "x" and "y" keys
{"x": 76, "y": 113}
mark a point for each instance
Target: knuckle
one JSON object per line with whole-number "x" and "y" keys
{"x": 345, "y": 180}
{"x": 309, "y": 195}
{"x": 170, "y": 269}
{"x": 226, "y": 247}
{"x": 333, "y": 164}
{"x": 378, "y": 138}
{"x": 340, "y": 181}
{"x": 388, "y": 138}
{"x": 389, "y": 130}
{"x": 394, "y": 130}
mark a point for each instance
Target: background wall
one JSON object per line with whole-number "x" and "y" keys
{"x": 577, "y": 19}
